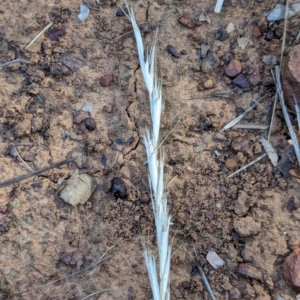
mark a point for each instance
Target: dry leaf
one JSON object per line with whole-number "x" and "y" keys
{"x": 271, "y": 151}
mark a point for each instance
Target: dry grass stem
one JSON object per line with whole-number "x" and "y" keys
{"x": 248, "y": 165}
{"x": 21, "y": 159}
{"x": 203, "y": 277}
{"x": 285, "y": 113}
{"x": 39, "y": 34}
{"x": 218, "y": 6}
{"x": 15, "y": 61}
{"x": 160, "y": 281}
{"x": 250, "y": 126}
{"x": 240, "y": 117}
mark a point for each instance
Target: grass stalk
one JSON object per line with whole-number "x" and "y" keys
{"x": 160, "y": 283}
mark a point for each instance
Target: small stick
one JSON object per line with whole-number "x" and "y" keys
{"x": 14, "y": 61}
{"x": 204, "y": 279}
{"x": 248, "y": 165}
{"x": 38, "y": 35}
{"x": 34, "y": 173}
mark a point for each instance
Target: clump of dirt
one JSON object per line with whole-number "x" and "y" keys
{"x": 82, "y": 97}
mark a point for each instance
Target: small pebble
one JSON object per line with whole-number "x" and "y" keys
{"x": 255, "y": 79}
{"x": 186, "y": 285}
{"x": 268, "y": 81}
{"x": 214, "y": 259}
{"x": 291, "y": 270}
{"x": 208, "y": 84}
{"x": 269, "y": 35}
{"x": 90, "y": 124}
{"x": 292, "y": 204}
{"x": 234, "y": 68}
{"x": 269, "y": 60}
{"x": 54, "y": 33}
{"x": 277, "y": 34}
{"x": 146, "y": 27}
{"x": 242, "y": 82}
{"x": 253, "y": 103}
{"x": 289, "y": 40}
{"x": 221, "y": 35}
{"x": 250, "y": 271}
{"x": 183, "y": 52}
{"x": 235, "y": 294}
{"x": 256, "y": 31}
{"x": 172, "y": 51}
{"x": 239, "y": 111}
{"x": 60, "y": 69}
{"x": 118, "y": 188}
{"x": 121, "y": 12}
{"x": 210, "y": 62}
{"x": 187, "y": 22}
{"x": 242, "y": 144}
{"x": 131, "y": 293}
{"x": 231, "y": 164}
{"x": 106, "y": 80}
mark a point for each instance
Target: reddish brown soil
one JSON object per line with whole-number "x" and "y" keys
{"x": 245, "y": 219}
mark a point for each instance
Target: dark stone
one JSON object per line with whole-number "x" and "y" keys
{"x": 172, "y": 51}
{"x": 118, "y": 188}
{"x": 54, "y": 33}
{"x": 90, "y": 124}
{"x": 221, "y": 35}
{"x": 269, "y": 35}
{"x": 239, "y": 111}
{"x": 242, "y": 82}
{"x": 121, "y": 12}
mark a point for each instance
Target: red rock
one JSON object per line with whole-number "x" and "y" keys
{"x": 256, "y": 31}
{"x": 291, "y": 77}
{"x": 250, "y": 271}
{"x": 187, "y": 22}
{"x": 291, "y": 270}
{"x": 234, "y": 68}
{"x": 106, "y": 80}
{"x": 255, "y": 79}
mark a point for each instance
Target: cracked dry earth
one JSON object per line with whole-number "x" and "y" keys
{"x": 250, "y": 220}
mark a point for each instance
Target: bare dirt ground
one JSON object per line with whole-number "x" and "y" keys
{"x": 251, "y": 218}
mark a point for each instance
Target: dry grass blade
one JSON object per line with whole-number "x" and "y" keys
{"x": 14, "y": 61}
{"x": 204, "y": 279}
{"x": 248, "y": 165}
{"x": 250, "y": 126}
{"x": 39, "y": 34}
{"x": 160, "y": 281}
{"x": 218, "y": 6}
{"x": 22, "y": 160}
{"x": 271, "y": 151}
{"x": 240, "y": 117}
{"x": 286, "y": 114}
